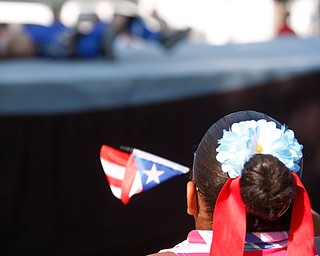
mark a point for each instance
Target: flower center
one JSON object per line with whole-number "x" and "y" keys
{"x": 259, "y": 148}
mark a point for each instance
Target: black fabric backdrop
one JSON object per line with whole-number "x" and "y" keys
{"x": 54, "y": 197}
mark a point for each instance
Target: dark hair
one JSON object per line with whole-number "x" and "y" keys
{"x": 267, "y": 190}
{"x": 209, "y": 178}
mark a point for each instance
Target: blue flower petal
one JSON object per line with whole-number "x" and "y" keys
{"x": 246, "y": 138}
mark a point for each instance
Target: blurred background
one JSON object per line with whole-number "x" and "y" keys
{"x": 216, "y": 22}
{"x": 151, "y": 74}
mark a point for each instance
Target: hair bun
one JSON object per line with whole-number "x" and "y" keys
{"x": 267, "y": 187}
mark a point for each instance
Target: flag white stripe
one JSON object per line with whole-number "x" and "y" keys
{"x": 116, "y": 191}
{"x": 136, "y": 185}
{"x": 113, "y": 170}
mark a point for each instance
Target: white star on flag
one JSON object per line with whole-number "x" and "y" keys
{"x": 153, "y": 174}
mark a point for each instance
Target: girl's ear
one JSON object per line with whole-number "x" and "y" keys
{"x": 192, "y": 200}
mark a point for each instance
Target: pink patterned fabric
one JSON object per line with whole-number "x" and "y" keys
{"x": 198, "y": 243}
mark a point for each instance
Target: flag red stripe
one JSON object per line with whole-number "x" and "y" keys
{"x": 113, "y": 155}
{"x": 130, "y": 174}
{"x": 114, "y": 182}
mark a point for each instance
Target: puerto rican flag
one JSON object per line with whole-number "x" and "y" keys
{"x": 132, "y": 173}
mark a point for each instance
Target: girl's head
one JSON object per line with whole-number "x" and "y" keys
{"x": 266, "y": 184}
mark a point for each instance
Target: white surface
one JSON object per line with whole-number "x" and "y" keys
{"x": 148, "y": 74}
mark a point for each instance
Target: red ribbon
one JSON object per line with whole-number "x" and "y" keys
{"x": 301, "y": 236}
{"x": 229, "y": 222}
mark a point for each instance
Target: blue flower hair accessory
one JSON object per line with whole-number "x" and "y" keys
{"x": 247, "y": 138}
